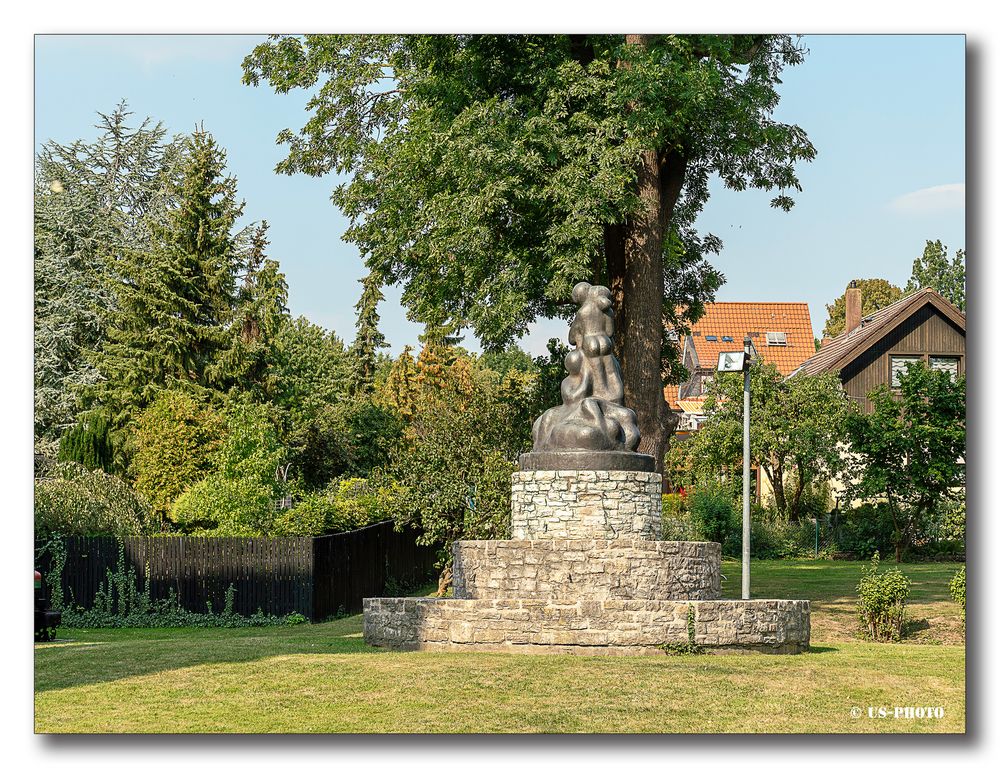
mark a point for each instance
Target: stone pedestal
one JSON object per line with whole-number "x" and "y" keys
{"x": 584, "y": 573}
{"x": 584, "y": 504}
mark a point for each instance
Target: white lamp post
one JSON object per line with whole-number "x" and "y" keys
{"x": 730, "y": 362}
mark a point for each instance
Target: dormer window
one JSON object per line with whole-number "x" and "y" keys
{"x": 777, "y": 339}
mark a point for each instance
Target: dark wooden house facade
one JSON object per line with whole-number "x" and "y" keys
{"x": 876, "y": 349}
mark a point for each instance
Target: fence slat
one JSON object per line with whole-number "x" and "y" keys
{"x": 316, "y": 577}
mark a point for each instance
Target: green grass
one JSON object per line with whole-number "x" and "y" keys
{"x": 322, "y": 678}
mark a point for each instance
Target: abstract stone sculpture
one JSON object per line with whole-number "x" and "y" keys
{"x": 592, "y": 429}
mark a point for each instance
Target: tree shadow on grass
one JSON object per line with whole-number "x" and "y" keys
{"x": 88, "y": 657}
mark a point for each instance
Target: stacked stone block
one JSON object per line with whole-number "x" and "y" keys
{"x": 582, "y": 504}
{"x": 584, "y": 573}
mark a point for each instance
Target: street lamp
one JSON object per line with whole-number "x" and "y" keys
{"x": 730, "y": 362}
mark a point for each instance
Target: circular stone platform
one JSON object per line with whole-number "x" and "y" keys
{"x": 597, "y": 569}
{"x": 608, "y": 627}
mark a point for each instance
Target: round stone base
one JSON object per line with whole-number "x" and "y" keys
{"x": 608, "y": 627}
{"x": 581, "y": 569}
{"x": 585, "y": 504}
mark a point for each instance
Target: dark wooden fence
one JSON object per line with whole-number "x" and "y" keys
{"x": 316, "y": 577}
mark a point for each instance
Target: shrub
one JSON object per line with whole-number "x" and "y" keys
{"x": 882, "y": 599}
{"x": 713, "y": 513}
{"x": 674, "y": 504}
{"x": 80, "y": 502}
{"x": 865, "y": 530}
{"x": 224, "y": 506}
{"x": 89, "y": 443}
{"x": 172, "y": 446}
{"x": 957, "y": 588}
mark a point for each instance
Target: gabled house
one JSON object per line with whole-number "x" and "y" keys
{"x": 874, "y": 350}
{"x": 781, "y": 332}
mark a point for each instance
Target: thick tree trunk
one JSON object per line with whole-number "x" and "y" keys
{"x": 634, "y": 264}
{"x": 777, "y": 477}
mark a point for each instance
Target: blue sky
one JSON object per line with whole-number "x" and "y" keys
{"x": 886, "y": 113}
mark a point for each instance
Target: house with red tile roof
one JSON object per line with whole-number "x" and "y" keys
{"x": 781, "y": 333}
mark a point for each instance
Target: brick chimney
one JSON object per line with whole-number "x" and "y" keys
{"x": 852, "y": 301}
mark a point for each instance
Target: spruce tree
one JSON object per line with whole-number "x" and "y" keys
{"x": 260, "y": 313}
{"x": 174, "y": 299}
{"x": 369, "y": 339}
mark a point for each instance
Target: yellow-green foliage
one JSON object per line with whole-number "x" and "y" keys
{"x": 173, "y": 445}
{"x": 348, "y": 504}
{"x": 81, "y": 502}
{"x": 957, "y": 588}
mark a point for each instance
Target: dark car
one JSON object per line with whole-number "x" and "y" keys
{"x": 46, "y": 621}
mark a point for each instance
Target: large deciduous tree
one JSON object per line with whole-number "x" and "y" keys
{"x": 796, "y": 429}
{"x": 935, "y": 270}
{"x": 875, "y": 294}
{"x": 489, "y": 173}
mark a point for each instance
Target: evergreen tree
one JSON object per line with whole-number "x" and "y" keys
{"x": 369, "y": 339}
{"x": 89, "y": 443}
{"x": 174, "y": 299}
{"x": 261, "y": 312}
{"x": 934, "y": 270}
{"x": 93, "y": 200}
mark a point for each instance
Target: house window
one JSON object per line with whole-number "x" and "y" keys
{"x": 949, "y": 364}
{"x": 897, "y": 366}
{"x": 711, "y": 338}
{"x": 727, "y": 338}
{"x": 777, "y": 339}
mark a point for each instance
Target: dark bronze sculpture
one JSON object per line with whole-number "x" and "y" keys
{"x": 592, "y": 429}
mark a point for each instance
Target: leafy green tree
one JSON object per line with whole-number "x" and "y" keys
{"x": 311, "y": 370}
{"x": 910, "y": 449}
{"x": 174, "y": 299}
{"x": 92, "y": 201}
{"x": 464, "y": 430}
{"x": 239, "y": 497}
{"x": 489, "y": 173}
{"x": 172, "y": 446}
{"x": 369, "y": 339}
{"x": 934, "y": 270}
{"x": 796, "y": 426}
{"x": 875, "y": 294}
{"x": 352, "y": 437}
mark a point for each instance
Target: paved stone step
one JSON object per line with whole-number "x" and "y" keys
{"x": 599, "y": 627}
{"x": 594, "y": 569}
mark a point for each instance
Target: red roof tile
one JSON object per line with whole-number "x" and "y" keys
{"x": 736, "y": 319}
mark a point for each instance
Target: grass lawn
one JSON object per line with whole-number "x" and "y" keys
{"x": 322, "y": 678}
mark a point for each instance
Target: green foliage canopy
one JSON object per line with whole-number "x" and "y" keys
{"x": 173, "y": 445}
{"x": 933, "y": 269}
{"x": 875, "y": 294}
{"x": 796, "y": 425}
{"x": 910, "y": 449}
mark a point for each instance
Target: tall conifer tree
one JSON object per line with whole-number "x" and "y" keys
{"x": 369, "y": 339}
{"x": 174, "y": 299}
